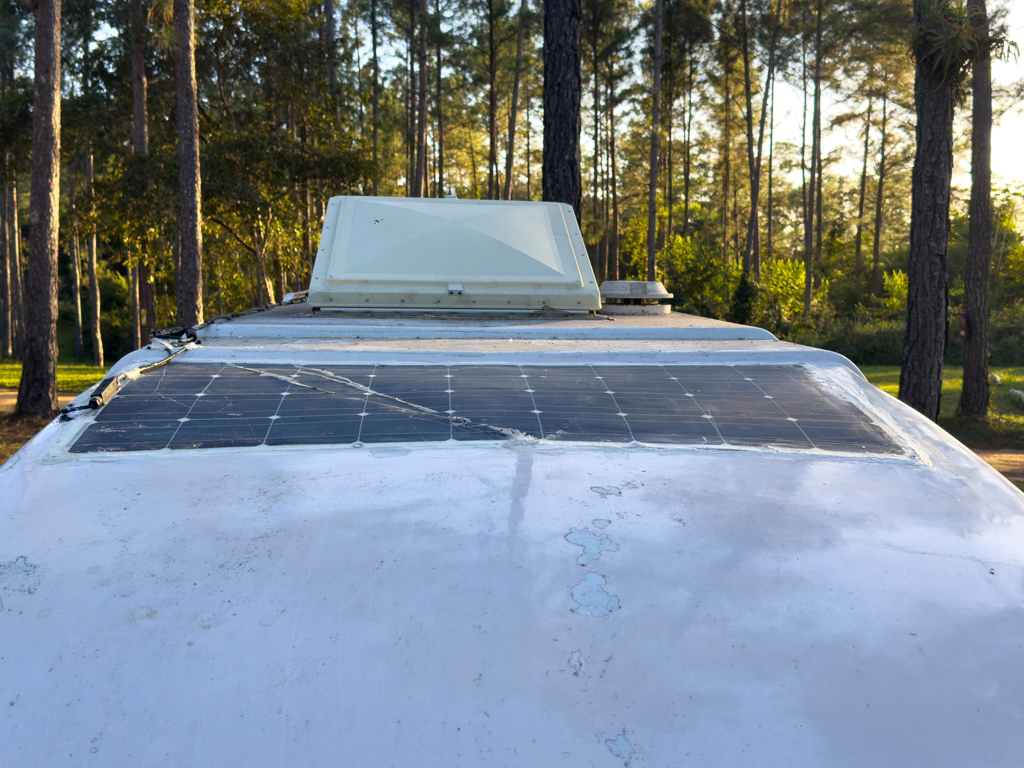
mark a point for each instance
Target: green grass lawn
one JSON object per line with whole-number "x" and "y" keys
{"x": 1005, "y": 428}
{"x": 72, "y": 377}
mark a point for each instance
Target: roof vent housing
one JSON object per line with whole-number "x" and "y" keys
{"x": 634, "y": 297}
{"x": 405, "y": 253}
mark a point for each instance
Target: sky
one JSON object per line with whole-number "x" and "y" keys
{"x": 1007, "y": 134}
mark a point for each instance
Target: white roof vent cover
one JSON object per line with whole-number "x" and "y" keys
{"x": 407, "y": 253}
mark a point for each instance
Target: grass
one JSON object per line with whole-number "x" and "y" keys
{"x": 72, "y": 377}
{"x": 1005, "y": 426}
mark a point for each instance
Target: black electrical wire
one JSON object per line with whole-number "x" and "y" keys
{"x": 107, "y": 388}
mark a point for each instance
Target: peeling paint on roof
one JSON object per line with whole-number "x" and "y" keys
{"x": 593, "y": 543}
{"x": 621, "y": 748}
{"x": 592, "y": 599}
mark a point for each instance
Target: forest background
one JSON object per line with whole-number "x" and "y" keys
{"x": 300, "y": 101}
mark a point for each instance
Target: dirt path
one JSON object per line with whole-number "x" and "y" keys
{"x": 1009, "y": 463}
{"x": 9, "y": 398}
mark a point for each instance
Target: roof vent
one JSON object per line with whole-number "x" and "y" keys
{"x": 634, "y": 297}
{"x": 404, "y": 253}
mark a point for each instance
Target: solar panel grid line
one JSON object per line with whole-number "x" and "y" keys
{"x": 533, "y": 400}
{"x": 451, "y": 429}
{"x": 366, "y": 400}
{"x": 776, "y": 404}
{"x": 208, "y": 383}
{"x": 618, "y": 410}
{"x": 693, "y": 397}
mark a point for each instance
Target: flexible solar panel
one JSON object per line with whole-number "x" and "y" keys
{"x": 202, "y": 405}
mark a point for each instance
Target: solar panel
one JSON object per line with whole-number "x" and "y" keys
{"x": 204, "y": 405}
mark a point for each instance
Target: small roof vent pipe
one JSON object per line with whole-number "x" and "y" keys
{"x": 634, "y": 297}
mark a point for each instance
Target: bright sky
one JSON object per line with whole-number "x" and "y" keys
{"x": 1007, "y": 134}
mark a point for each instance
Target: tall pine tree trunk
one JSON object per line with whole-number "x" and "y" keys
{"x": 17, "y": 273}
{"x": 142, "y": 291}
{"x": 876, "y": 245}
{"x": 613, "y": 255}
{"x": 814, "y": 183}
{"x": 492, "y": 105}
{"x": 95, "y": 333}
{"x": 975, "y": 394}
{"x": 374, "y": 95}
{"x": 440, "y": 107}
{"x": 927, "y": 269}
{"x": 858, "y": 255}
{"x": 563, "y": 89}
{"x": 420, "y": 172}
{"x": 770, "y": 247}
{"x": 190, "y": 236}
{"x": 748, "y": 116}
{"x": 510, "y": 150}
{"x": 140, "y": 113}
{"x": 76, "y": 267}
{"x": 752, "y": 251}
{"x": 652, "y": 189}
{"x": 6, "y": 300}
{"x": 37, "y": 395}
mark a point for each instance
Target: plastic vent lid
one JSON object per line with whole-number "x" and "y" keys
{"x": 406, "y": 253}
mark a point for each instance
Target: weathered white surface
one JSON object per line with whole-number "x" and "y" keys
{"x": 469, "y": 254}
{"x": 427, "y": 604}
{"x": 296, "y": 320}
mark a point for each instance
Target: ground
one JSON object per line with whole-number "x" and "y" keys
{"x": 1000, "y": 441}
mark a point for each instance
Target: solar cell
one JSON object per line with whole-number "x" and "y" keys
{"x": 202, "y": 405}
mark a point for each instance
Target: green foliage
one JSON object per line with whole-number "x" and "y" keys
{"x": 945, "y": 39}
{"x": 780, "y": 296}
{"x": 695, "y": 273}
{"x": 897, "y": 285}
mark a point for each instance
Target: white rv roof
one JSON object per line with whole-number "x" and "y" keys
{"x": 441, "y": 254}
{"x": 524, "y": 601}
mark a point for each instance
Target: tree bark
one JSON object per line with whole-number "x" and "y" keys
{"x": 858, "y": 255}
{"x": 140, "y": 120}
{"x": 374, "y": 96}
{"x": 37, "y": 395}
{"x": 613, "y": 251}
{"x": 770, "y": 248}
{"x": 752, "y": 251}
{"x": 332, "y": 70}
{"x": 139, "y": 113}
{"x": 749, "y": 120}
{"x": 420, "y": 173}
{"x": 190, "y": 237}
{"x": 814, "y": 183}
{"x": 563, "y": 83}
{"x": 96, "y": 335}
{"x": 509, "y": 151}
{"x": 147, "y": 301}
{"x": 974, "y": 397}
{"x": 687, "y": 133}
{"x": 76, "y": 267}
{"x": 652, "y": 189}
{"x": 7, "y": 317}
{"x": 440, "y": 109}
{"x": 17, "y": 273}
{"x": 876, "y": 245}
{"x": 927, "y": 296}
{"x": 492, "y": 105}
{"x": 136, "y": 307}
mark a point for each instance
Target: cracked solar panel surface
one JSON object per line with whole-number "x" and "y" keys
{"x": 203, "y": 405}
